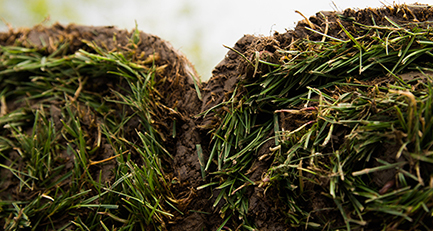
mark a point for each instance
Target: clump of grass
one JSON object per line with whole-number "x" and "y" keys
{"x": 78, "y": 133}
{"x": 342, "y": 118}
{"x": 312, "y": 155}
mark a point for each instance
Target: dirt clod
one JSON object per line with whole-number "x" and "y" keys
{"x": 178, "y": 91}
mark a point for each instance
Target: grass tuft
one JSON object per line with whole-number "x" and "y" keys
{"x": 65, "y": 141}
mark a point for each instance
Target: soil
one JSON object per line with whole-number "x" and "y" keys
{"x": 179, "y": 92}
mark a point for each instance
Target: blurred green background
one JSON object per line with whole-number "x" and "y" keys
{"x": 195, "y": 27}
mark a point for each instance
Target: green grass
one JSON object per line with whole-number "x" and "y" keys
{"x": 65, "y": 142}
{"x": 79, "y": 135}
{"x": 344, "y": 121}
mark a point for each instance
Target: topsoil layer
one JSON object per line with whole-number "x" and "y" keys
{"x": 179, "y": 92}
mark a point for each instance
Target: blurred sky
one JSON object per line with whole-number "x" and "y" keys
{"x": 198, "y": 28}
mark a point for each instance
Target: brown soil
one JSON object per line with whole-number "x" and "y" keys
{"x": 179, "y": 92}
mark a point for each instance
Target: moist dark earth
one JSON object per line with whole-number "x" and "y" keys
{"x": 178, "y": 91}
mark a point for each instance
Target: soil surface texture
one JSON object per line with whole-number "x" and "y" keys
{"x": 177, "y": 86}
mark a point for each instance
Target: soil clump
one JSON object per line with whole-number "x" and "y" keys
{"x": 178, "y": 86}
